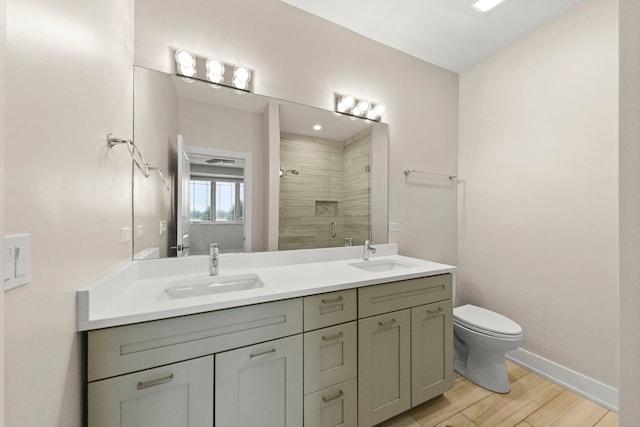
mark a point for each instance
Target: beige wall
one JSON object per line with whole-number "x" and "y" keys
{"x": 70, "y": 82}
{"x": 156, "y": 134}
{"x": 2, "y": 181}
{"x": 321, "y": 59}
{"x": 629, "y": 212}
{"x": 538, "y": 163}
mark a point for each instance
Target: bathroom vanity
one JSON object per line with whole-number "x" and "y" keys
{"x": 326, "y": 340}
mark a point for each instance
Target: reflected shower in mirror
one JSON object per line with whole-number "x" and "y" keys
{"x": 290, "y": 186}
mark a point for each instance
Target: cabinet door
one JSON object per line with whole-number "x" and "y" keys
{"x": 260, "y": 385}
{"x": 178, "y": 395}
{"x": 330, "y": 356}
{"x": 384, "y": 353}
{"x": 335, "y": 406}
{"x": 431, "y": 351}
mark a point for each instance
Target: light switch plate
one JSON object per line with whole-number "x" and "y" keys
{"x": 17, "y": 260}
{"x": 125, "y": 235}
{"x": 394, "y": 226}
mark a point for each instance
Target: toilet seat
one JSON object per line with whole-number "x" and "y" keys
{"x": 486, "y": 322}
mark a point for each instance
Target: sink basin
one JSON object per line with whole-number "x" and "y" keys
{"x": 381, "y": 265}
{"x": 209, "y": 285}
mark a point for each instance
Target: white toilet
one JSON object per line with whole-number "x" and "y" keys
{"x": 481, "y": 338}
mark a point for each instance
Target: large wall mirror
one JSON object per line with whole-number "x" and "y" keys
{"x": 251, "y": 173}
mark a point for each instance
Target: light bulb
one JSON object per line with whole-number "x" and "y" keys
{"x": 186, "y": 63}
{"x": 341, "y": 107}
{"x": 357, "y": 111}
{"x": 348, "y": 101}
{"x": 242, "y": 74}
{"x": 364, "y": 105}
{"x": 371, "y": 115}
{"x": 215, "y": 70}
{"x": 380, "y": 109}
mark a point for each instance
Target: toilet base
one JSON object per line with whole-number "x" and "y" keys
{"x": 484, "y": 368}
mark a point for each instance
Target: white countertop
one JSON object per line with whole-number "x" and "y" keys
{"x": 135, "y": 292}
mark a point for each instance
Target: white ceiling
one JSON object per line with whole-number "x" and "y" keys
{"x": 449, "y": 33}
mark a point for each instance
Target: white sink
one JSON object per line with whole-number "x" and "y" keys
{"x": 209, "y": 285}
{"x": 381, "y": 265}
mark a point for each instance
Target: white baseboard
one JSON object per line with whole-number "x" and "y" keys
{"x": 589, "y": 388}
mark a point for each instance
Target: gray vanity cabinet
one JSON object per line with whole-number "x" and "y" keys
{"x": 338, "y": 359}
{"x": 161, "y": 373}
{"x": 431, "y": 351}
{"x": 384, "y": 366}
{"x": 260, "y": 385}
{"x": 405, "y": 346}
{"x": 330, "y": 359}
{"x": 179, "y": 394}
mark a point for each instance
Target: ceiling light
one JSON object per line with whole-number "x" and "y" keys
{"x": 486, "y": 5}
{"x": 317, "y": 127}
{"x": 185, "y": 63}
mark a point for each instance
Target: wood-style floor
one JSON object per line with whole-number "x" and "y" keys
{"x": 532, "y": 402}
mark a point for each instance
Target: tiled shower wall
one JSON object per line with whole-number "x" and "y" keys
{"x": 329, "y": 199}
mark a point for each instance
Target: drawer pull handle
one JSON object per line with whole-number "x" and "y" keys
{"x": 435, "y": 311}
{"x": 262, "y": 353}
{"x": 338, "y": 395}
{"x": 332, "y": 337}
{"x": 152, "y": 383}
{"x": 332, "y": 300}
{"x": 389, "y": 323}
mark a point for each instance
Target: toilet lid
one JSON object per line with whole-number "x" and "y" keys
{"x": 478, "y": 318}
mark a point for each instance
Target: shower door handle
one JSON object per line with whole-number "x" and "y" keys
{"x": 333, "y": 229}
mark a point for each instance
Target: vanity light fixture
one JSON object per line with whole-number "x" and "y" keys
{"x": 486, "y": 5}
{"x": 212, "y": 70}
{"x": 349, "y": 105}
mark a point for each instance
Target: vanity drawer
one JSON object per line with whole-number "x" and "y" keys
{"x": 333, "y": 406}
{"x": 329, "y": 309}
{"x": 378, "y": 299}
{"x": 130, "y": 348}
{"x": 330, "y": 356}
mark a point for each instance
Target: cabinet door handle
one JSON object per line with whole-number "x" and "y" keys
{"x": 157, "y": 381}
{"x": 435, "y": 311}
{"x": 332, "y": 300}
{"x": 332, "y": 337}
{"x": 338, "y": 395}
{"x": 262, "y": 353}
{"x": 389, "y": 323}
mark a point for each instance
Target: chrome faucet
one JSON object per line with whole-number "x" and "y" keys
{"x": 367, "y": 250}
{"x": 214, "y": 256}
